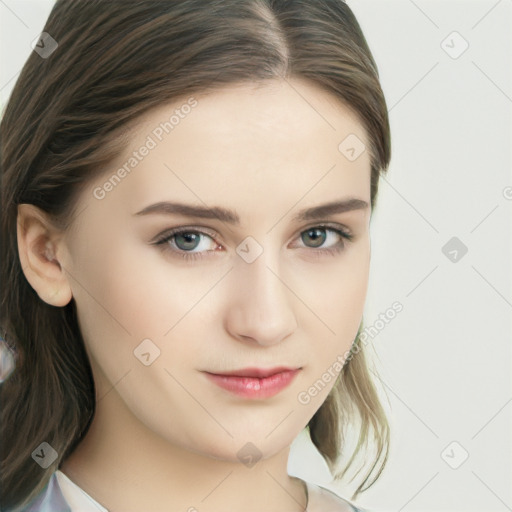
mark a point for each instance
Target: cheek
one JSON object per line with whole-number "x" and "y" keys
{"x": 134, "y": 293}
{"x": 339, "y": 308}
{"x": 135, "y": 288}
{"x": 336, "y": 291}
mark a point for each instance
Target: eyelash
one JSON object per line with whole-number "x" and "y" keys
{"x": 187, "y": 255}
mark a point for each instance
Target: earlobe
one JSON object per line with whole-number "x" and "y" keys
{"x": 38, "y": 245}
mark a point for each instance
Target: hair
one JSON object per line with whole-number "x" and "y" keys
{"x": 68, "y": 117}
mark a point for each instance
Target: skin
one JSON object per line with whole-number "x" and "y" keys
{"x": 163, "y": 436}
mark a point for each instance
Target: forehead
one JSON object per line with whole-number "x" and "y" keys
{"x": 243, "y": 144}
{"x": 274, "y": 115}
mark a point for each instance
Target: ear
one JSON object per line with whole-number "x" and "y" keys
{"x": 39, "y": 247}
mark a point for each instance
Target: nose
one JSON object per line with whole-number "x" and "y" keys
{"x": 261, "y": 310}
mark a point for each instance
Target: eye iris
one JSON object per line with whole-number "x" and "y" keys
{"x": 189, "y": 238}
{"x": 317, "y": 240}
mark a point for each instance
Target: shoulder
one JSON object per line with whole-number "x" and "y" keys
{"x": 321, "y": 499}
{"x": 50, "y": 499}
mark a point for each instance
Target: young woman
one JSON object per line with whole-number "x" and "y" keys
{"x": 187, "y": 188}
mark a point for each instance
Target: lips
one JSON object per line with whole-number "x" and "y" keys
{"x": 254, "y": 383}
{"x": 256, "y": 372}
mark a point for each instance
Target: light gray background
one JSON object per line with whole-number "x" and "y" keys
{"x": 445, "y": 359}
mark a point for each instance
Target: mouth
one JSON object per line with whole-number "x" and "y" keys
{"x": 254, "y": 382}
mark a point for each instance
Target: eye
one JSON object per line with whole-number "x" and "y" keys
{"x": 317, "y": 236}
{"x": 183, "y": 242}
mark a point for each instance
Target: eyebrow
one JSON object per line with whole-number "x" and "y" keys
{"x": 231, "y": 217}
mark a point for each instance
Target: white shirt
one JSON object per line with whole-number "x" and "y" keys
{"x": 77, "y": 498}
{"x": 319, "y": 498}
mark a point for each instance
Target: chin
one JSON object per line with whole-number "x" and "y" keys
{"x": 243, "y": 448}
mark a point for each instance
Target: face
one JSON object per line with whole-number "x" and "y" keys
{"x": 161, "y": 311}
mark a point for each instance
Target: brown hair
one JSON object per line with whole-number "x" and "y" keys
{"x": 67, "y": 119}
